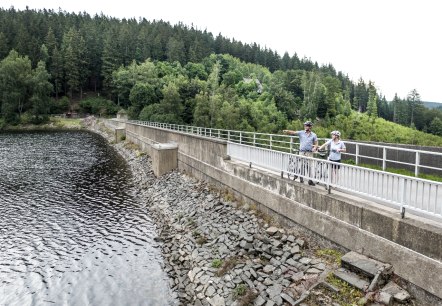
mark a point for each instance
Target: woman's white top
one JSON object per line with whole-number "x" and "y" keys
{"x": 334, "y": 146}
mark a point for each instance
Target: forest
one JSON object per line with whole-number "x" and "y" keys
{"x": 60, "y": 62}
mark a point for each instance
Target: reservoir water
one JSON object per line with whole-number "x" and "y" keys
{"x": 72, "y": 230}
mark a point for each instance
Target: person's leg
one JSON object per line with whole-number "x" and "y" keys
{"x": 303, "y": 167}
{"x": 310, "y": 168}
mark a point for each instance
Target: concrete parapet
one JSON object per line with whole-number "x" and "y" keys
{"x": 164, "y": 158}
{"x": 114, "y": 123}
{"x": 120, "y": 134}
{"x": 206, "y": 149}
{"x": 352, "y": 224}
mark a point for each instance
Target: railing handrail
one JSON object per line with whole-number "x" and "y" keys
{"x": 295, "y": 136}
{"x": 276, "y": 141}
{"x": 393, "y": 196}
{"x": 397, "y": 189}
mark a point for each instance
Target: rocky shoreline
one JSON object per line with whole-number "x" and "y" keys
{"x": 218, "y": 251}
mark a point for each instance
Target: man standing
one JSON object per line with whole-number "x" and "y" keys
{"x": 308, "y": 143}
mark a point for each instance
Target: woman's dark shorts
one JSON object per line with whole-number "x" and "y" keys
{"x": 336, "y": 166}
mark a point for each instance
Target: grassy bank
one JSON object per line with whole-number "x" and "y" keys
{"x": 54, "y": 123}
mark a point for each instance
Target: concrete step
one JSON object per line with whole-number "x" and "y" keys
{"x": 352, "y": 278}
{"x": 362, "y": 264}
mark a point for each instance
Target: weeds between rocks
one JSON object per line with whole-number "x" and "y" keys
{"x": 228, "y": 265}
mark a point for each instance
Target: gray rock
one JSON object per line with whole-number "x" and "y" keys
{"x": 268, "y": 269}
{"x": 275, "y": 262}
{"x": 313, "y": 271}
{"x": 259, "y": 301}
{"x": 320, "y": 266}
{"x": 253, "y": 273}
{"x": 384, "y": 298}
{"x": 268, "y": 282}
{"x": 274, "y": 291}
{"x": 271, "y": 230}
{"x": 305, "y": 260}
{"x": 291, "y": 238}
{"x": 246, "y": 245}
{"x": 291, "y": 262}
{"x": 248, "y": 238}
{"x": 399, "y": 294}
{"x": 295, "y": 249}
{"x": 288, "y": 299}
{"x": 300, "y": 242}
{"x": 297, "y": 277}
{"x": 216, "y": 301}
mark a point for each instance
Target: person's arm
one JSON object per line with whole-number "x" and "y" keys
{"x": 325, "y": 143}
{"x": 315, "y": 145}
{"x": 290, "y": 132}
{"x": 343, "y": 148}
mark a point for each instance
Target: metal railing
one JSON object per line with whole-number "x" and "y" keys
{"x": 384, "y": 156}
{"x": 418, "y": 195}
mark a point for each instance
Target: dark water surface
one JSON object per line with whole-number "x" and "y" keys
{"x": 72, "y": 231}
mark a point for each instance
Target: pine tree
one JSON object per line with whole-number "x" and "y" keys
{"x": 372, "y": 107}
{"x": 414, "y": 100}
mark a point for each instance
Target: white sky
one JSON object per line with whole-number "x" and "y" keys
{"x": 395, "y": 43}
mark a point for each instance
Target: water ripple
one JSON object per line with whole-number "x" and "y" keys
{"x": 71, "y": 231}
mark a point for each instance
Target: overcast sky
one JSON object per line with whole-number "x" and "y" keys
{"x": 395, "y": 43}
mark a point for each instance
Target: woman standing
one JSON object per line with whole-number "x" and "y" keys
{"x": 336, "y": 148}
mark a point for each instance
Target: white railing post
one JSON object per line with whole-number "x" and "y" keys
{"x": 228, "y": 135}
{"x": 291, "y": 145}
{"x": 384, "y": 159}
{"x": 270, "y": 140}
{"x": 254, "y": 139}
{"x": 357, "y": 154}
{"x": 240, "y": 137}
{"x": 416, "y": 168}
{"x": 404, "y": 190}
{"x": 329, "y": 177}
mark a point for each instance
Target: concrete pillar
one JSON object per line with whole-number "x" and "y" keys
{"x": 120, "y": 134}
{"x": 164, "y": 158}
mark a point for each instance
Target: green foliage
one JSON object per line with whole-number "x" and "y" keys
{"x": 330, "y": 255}
{"x": 227, "y": 265}
{"x": 216, "y": 263}
{"x": 239, "y": 290}
{"x": 59, "y": 106}
{"x": 359, "y": 126}
{"x": 436, "y": 126}
{"x": 174, "y": 73}
{"x": 98, "y": 106}
{"x": 347, "y": 295}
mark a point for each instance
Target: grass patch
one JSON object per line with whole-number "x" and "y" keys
{"x": 348, "y": 295}
{"x": 227, "y": 265}
{"x": 131, "y": 146}
{"x": 329, "y": 255}
{"x": 228, "y": 196}
{"x": 247, "y": 297}
{"x": 239, "y": 291}
{"x": 405, "y": 172}
{"x": 67, "y": 122}
{"x": 140, "y": 153}
{"x": 201, "y": 240}
{"x": 216, "y": 263}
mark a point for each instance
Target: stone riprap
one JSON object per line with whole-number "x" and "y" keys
{"x": 214, "y": 252}
{"x": 219, "y": 252}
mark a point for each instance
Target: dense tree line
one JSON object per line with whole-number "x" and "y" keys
{"x": 176, "y": 74}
